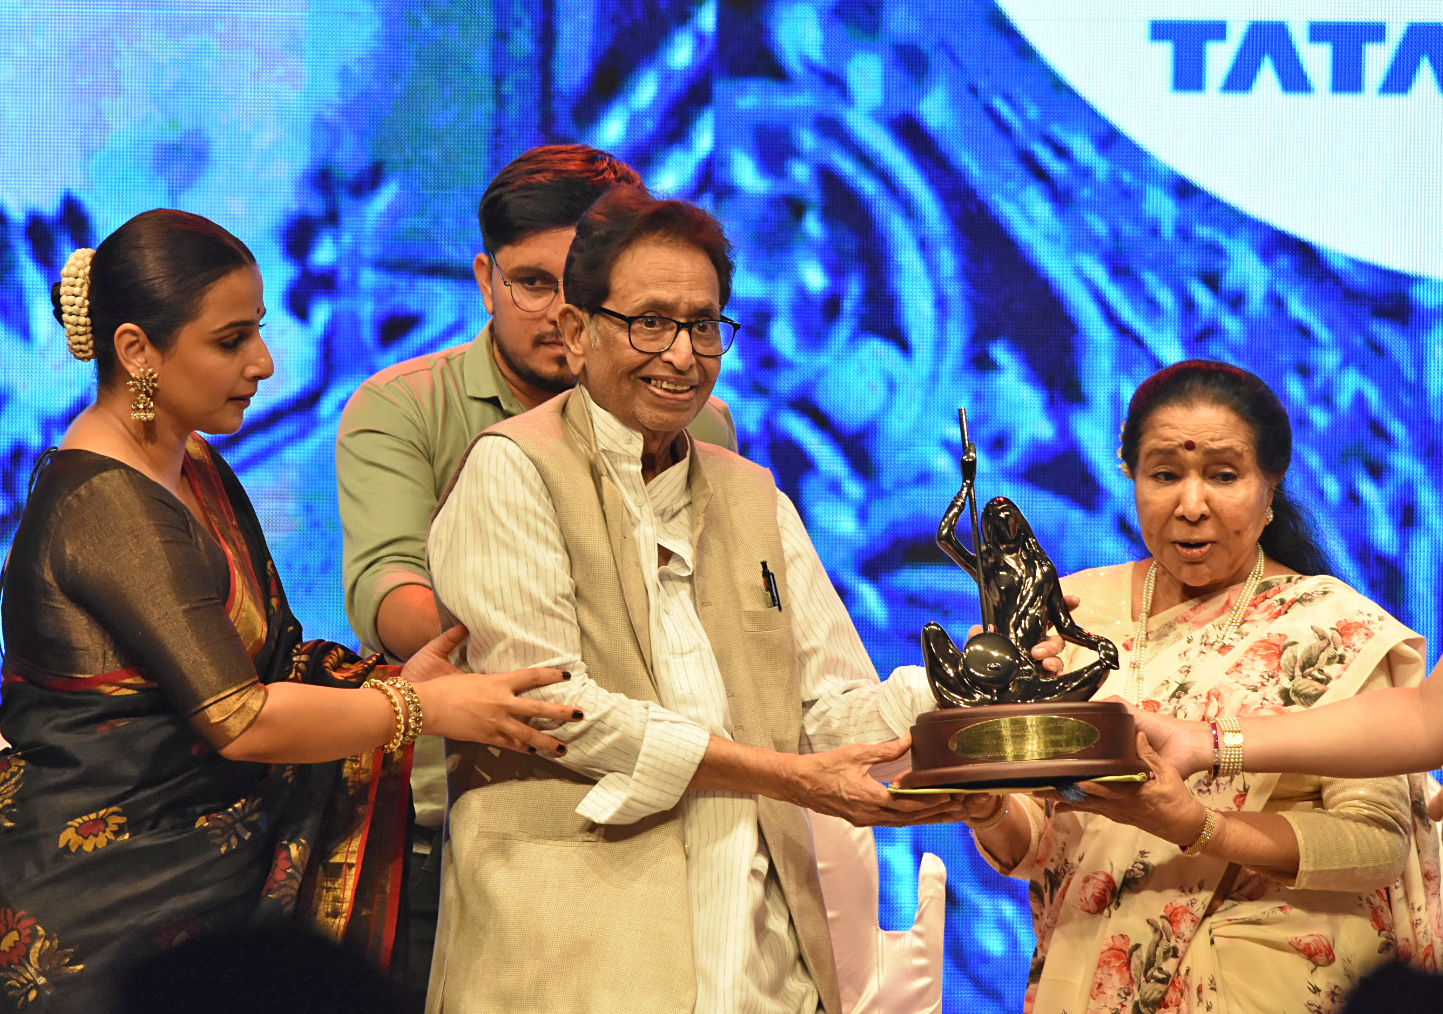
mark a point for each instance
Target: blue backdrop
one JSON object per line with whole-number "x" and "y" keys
{"x": 927, "y": 215}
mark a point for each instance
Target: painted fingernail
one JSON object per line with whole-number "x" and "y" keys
{"x": 566, "y": 675}
{"x": 577, "y": 716}
{"x": 531, "y": 748}
{"x": 561, "y": 749}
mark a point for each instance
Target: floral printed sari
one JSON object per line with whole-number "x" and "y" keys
{"x": 123, "y": 832}
{"x": 1125, "y": 923}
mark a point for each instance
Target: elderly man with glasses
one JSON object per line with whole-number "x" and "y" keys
{"x": 404, "y": 432}
{"x": 661, "y": 862}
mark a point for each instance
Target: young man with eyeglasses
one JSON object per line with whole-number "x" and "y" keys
{"x": 404, "y": 432}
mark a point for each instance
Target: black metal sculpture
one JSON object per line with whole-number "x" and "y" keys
{"x": 1021, "y": 596}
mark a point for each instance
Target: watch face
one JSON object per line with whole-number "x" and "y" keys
{"x": 1232, "y": 738}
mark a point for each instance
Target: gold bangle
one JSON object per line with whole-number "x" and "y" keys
{"x": 1209, "y": 828}
{"x": 397, "y": 709}
{"x": 1230, "y": 751}
{"x": 414, "y": 719}
{"x": 992, "y": 821}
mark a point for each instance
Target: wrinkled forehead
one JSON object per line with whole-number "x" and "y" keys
{"x": 1197, "y": 425}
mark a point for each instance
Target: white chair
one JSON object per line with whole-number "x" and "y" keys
{"x": 879, "y": 971}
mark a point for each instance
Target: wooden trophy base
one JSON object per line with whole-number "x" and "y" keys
{"x": 1022, "y": 746}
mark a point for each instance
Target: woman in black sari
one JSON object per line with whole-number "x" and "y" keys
{"x": 181, "y": 761}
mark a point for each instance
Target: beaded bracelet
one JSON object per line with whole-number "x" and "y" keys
{"x": 414, "y": 718}
{"x": 1209, "y": 828}
{"x": 1228, "y": 755}
{"x": 398, "y": 709}
{"x": 992, "y": 821}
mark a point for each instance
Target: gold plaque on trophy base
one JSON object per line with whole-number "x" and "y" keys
{"x": 1022, "y": 746}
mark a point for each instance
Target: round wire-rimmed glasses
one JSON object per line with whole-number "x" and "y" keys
{"x": 531, "y": 294}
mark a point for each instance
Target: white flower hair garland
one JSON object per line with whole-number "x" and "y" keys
{"x": 75, "y": 304}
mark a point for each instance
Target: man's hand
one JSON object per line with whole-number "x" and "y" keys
{"x": 839, "y": 782}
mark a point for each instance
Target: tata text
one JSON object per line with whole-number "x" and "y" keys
{"x": 1352, "y": 45}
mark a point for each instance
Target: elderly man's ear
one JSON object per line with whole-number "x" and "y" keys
{"x": 572, "y": 322}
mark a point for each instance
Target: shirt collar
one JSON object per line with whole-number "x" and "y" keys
{"x": 483, "y": 377}
{"x": 621, "y": 445}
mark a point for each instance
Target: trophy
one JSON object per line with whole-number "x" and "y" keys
{"x": 1004, "y": 720}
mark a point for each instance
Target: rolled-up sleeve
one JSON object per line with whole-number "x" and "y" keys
{"x": 386, "y": 491}
{"x": 500, "y": 566}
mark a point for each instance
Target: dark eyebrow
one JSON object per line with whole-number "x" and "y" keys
{"x": 528, "y": 269}
{"x": 244, "y": 322}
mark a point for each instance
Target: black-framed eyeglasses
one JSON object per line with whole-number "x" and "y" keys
{"x": 531, "y": 294}
{"x": 653, "y": 333}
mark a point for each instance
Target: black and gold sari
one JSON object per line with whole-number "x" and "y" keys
{"x": 139, "y": 641}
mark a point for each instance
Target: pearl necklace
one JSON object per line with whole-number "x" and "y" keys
{"x": 1139, "y": 651}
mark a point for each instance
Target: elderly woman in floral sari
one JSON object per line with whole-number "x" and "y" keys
{"x": 182, "y": 761}
{"x": 1235, "y": 891}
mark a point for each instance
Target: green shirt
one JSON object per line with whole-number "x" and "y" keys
{"x": 402, "y": 437}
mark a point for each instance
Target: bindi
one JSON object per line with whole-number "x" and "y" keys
{"x": 1189, "y": 445}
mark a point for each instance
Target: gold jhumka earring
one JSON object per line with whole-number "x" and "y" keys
{"x": 143, "y": 383}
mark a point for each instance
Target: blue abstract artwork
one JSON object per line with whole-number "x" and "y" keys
{"x": 926, "y": 214}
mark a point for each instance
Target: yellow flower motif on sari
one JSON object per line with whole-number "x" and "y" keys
{"x": 286, "y": 870}
{"x": 233, "y": 825}
{"x": 30, "y": 959}
{"x": 95, "y": 830}
{"x": 17, "y": 930}
{"x": 12, "y": 774}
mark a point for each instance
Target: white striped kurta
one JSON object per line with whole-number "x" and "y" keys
{"x": 500, "y": 564}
